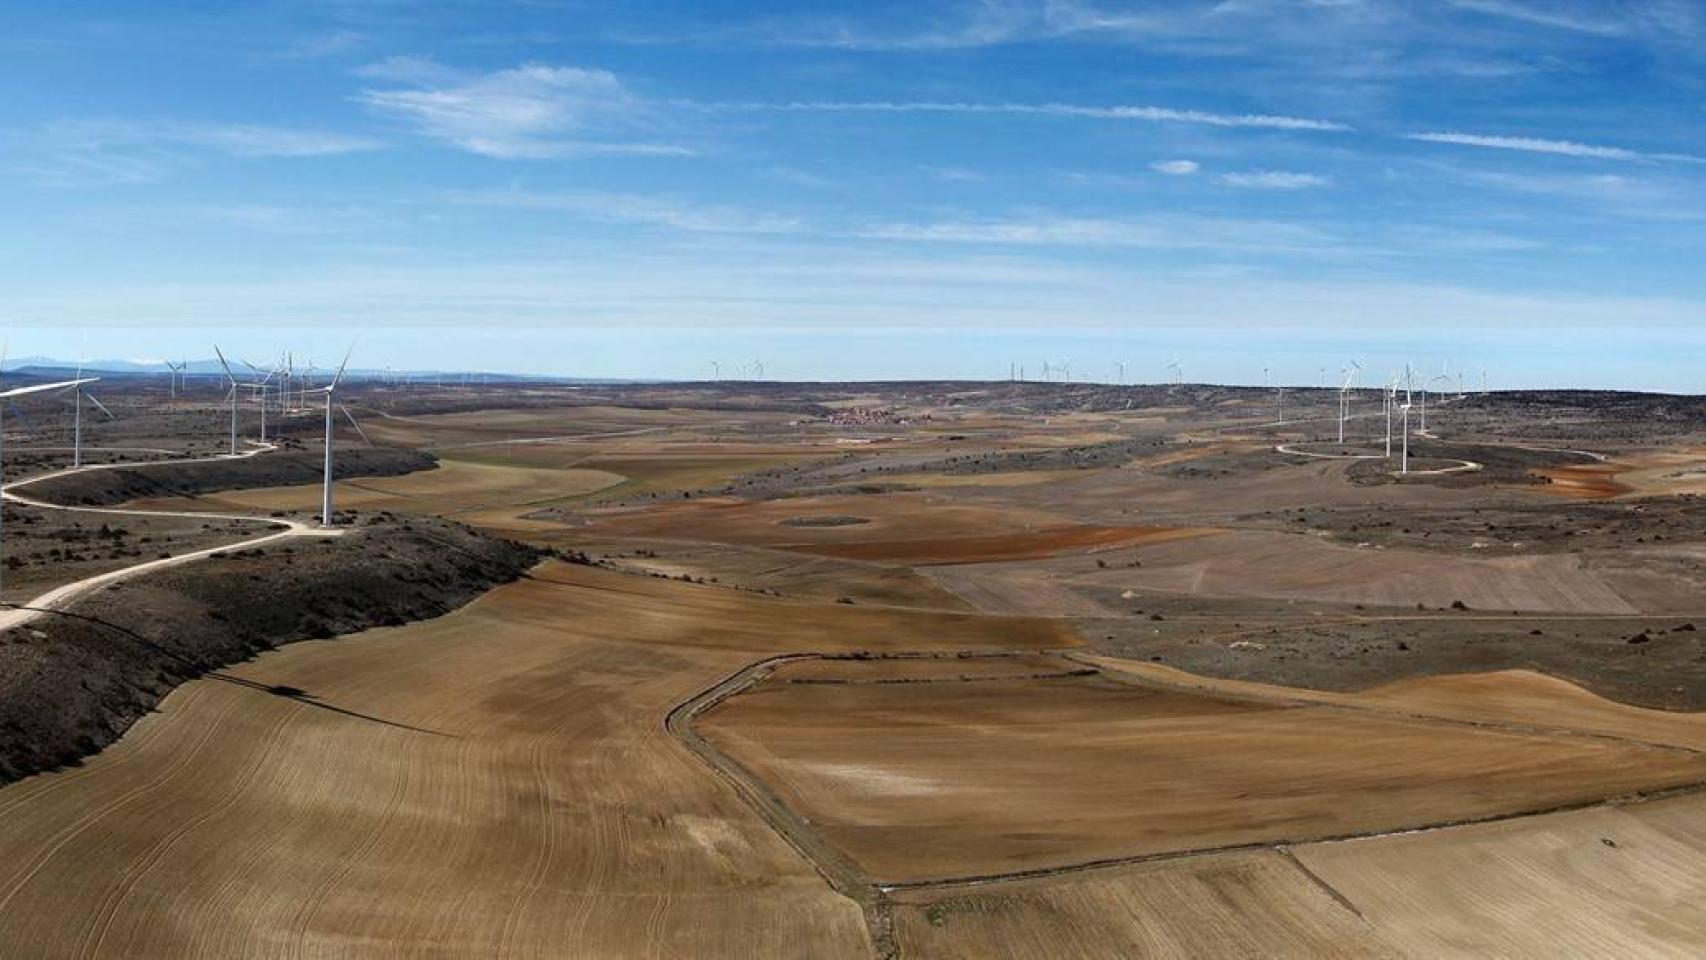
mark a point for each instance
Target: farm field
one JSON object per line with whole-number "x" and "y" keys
{"x": 994, "y": 776}
{"x": 983, "y": 678}
{"x": 497, "y": 782}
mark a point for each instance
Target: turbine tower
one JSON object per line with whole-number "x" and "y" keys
{"x": 1344, "y": 398}
{"x": 331, "y": 390}
{"x": 18, "y": 392}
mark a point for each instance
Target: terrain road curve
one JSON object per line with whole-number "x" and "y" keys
{"x": 64, "y": 594}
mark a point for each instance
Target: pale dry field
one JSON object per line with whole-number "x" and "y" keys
{"x": 1286, "y": 566}
{"x": 1248, "y": 905}
{"x": 494, "y": 783}
{"x": 1603, "y": 882}
{"x": 998, "y": 776}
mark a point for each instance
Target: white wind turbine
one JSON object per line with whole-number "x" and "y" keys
{"x": 77, "y": 415}
{"x": 1344, "y": 397}
{"x": 1389, "y": 395}
{"x": 173, "y": 372}
{"x": 258, "y": 391}
{"x": 1408, "y": 383}
{"x": 19, "y": 392}
{"x": 1178, "y": 371}
{"x": 231, "y": 395}
{"x": 331, "y": 390}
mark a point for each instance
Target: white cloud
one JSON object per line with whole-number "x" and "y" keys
{"x": 529, "y": 112}
{"x": 1274, "y": 180}
{"x": 1140, "y": 113}
{"x": 1567, "y": 148}
{"x": 1175, "y": 168}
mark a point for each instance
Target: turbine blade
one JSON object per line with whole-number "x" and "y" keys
{"x": 352, "y": 422}
{"x": 100, "y": 406}
{"x": 340, "y": 376}
{"x": 227, "y": 366}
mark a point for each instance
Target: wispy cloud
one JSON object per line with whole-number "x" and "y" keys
{"x": 120, "y": 152}
{"x": 1560, "y": 15}
{"x": 1274, "y": 180}
{"x": 321, "y": 45}
{"x": 1563, "y": 148}
{"x": 637, "y": 209}
{"x": 1566, "y": 148}
{"x": 1149, "y": 114}
{"x": 1175, "y": 168}
{"x": 954, "y": 174}
{"x": 1177, "y": 233}
{"x": 529, "y": 112}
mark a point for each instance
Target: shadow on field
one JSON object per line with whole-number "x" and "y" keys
{"x": 197, "y": 670}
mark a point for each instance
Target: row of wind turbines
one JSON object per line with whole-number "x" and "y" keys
{"x": 280, "y": 384}
{"x": 1389, "y": 402}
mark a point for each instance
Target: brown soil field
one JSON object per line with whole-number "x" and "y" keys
{"x": 1667, "y": 472}
{"x": 497, "y": 782}
{"x": 1604, "y": 882}
{"x": 767, "y": 570}
{"x": 1597, "y": 481}
{"x": 999, "y": 547}
{"x": 892, "y": 517}
{"x": 1003, "y": 776}
{"x": 923, "y": 669}
{"x": 1246, "y": 905}
{"x": 1518, "y": 699}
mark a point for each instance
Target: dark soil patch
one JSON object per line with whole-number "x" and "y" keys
{"x": 832, "y": 520}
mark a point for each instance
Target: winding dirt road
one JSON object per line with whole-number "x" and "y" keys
{"x": 58, "y": 597}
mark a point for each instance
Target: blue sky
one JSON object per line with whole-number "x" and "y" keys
{"x": 865, "y": 190}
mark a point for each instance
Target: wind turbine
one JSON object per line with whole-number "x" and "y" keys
{"x": 1437, "y": 393}
{"x": 1344, "y": 398}
{"x": 18, "y": 392}
{"x": 1389, "y": 396}
{"x": 231, "y": 396}
{"x": 331, "y": 390}
{"x": 77, "y": 416}
{"x": 258, "y": 391}
{"x": 1408, "y": 382}
{"x": 173, "y": 371}
{"x": 1178, "y": 371}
